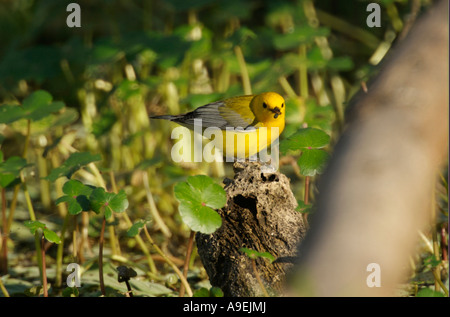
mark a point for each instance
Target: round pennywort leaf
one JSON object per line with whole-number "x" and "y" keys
{"x": 313, "y": 162}
{"x": 198, "y": 198}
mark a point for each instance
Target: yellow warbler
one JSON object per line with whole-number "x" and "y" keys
{"x": 246, "y": 124}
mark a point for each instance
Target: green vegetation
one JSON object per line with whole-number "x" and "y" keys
{"x": 82, "y": 165}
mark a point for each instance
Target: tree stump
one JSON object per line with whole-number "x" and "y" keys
{"x": 260, "y": 215}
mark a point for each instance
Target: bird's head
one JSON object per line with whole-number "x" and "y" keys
{"x": 268, "y": 107}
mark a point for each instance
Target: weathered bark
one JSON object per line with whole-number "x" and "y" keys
{"x": 260, "y": 215}
{"x": 377, "y": 191}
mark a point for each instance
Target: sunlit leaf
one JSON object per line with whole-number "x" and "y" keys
{"x": 308, "y": 138}
{"x": 301, "y": 35}
{"x": 76, "y": 197}
{"x": 50, "y": 235}
{"x": 35, "y": 107}
{"x": 428, "y": 292}
{"x": 302, "y": 207}
{"x": 72, "y": 164}
{"x": 313, "y": 162}
{"x": 135, "y": 228}
{"x": 108, "y": 202}
{"x": 198, "y": 198}
{"x": 253, "y": 254}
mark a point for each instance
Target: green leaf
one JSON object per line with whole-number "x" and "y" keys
{"x": 428, "y": 292}
{"x": 34, "y": 225}
{"x": 184, "y": 193}
{"x": 135, "y": 228}
{"x": 301, "y": 35}
{"x": 10, "y": 113}
{"x": 74, "y": 187}
{"x": 308, "y": 138}
{"x": 341, "y": 64}
{"x": 109, "y": 202}
{"x": 35, "y": 107}
{"x": 70, "y": 292}
{"x": 313, "y": 162}
{"x": 198, "y": 198}
{"x": 127, "y": 89}
{"x": 216, "y": 292}
{"x": 302, "y": 207}
{"x": 48, "y": 234}
{"x": 13, "y": 165}
{"x": 10, "y": 170}
{"x": 7, "y": 179}
{"x": 155, "y": 161}
{"x": 104, "y": 124}
{"x": 253, "y": 254}
{"x": 202, "y": 292}
{"x": 119, "y": 202}
{"x": 432, "y": 261}
{"x": 98, "y": 199}
{"x": 73, "y": 164}
{"x": 68, "y": 116}
{"x": 51, "y": 236}
{"x": 76, "y": 196}
{"x": 212, "y": 292}
{"x": 200, "y": 218}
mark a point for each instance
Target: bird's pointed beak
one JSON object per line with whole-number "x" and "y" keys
{"x": 276, "y": 111}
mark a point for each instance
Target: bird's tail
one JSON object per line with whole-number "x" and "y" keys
{"x": 165, "y": 117}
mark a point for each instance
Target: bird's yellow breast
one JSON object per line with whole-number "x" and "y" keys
{"x": 244, "y": 144}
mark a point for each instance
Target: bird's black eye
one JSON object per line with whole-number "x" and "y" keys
{"x": 264, "y": 105}
{"x": 282, "y": 105}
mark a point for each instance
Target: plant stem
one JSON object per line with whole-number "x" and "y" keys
{"x": 303, "y": 73}
{"x": 28, "y": 200}
{"x": 63, "y": 213}
{"x": 115, "y": 250}
{"x": 244, "y": 72}
{"x": 306, "y": 198}
{"x": 140, "y": 242}
{"x": 32, "y": 218}
{"x": 12, "y": 207}
{"x": 187, "y": 259}
{"x": 60, "y": 251}
{"x": 437, "y": 278}
{"x": 4, "y": 238}
{"x": 3, "y": 288}
{"x": 44, "y": 184}
{"x": 350, "y": 30}
{"x": 444, "y": 244}
{"x": 287, "y": 87}
{"x": 436, "y": 270}
{"x": 175, "y": 268}
{"x": 44, "y": 273}
{"x": 138, "y": 239}
{"x": 258, "y": 278}
{"x": 100, "y": 257}
{"x": 17, "y": 187}
{"x": 307, "y": 189}
{"x": 154, "y": 211}
{"x": 101, "y": 182}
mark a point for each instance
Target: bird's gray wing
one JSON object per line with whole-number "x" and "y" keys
{"x": 216, "y": 115}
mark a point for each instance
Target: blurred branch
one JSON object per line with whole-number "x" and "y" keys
{"x": 382, "y": 172}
